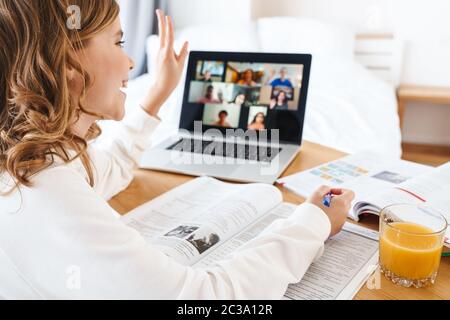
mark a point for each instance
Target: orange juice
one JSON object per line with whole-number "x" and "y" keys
{"x": 410, "y": 250}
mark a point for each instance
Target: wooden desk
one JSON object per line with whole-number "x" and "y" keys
{"x": 149, "y": 184}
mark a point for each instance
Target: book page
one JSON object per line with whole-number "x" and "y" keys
{"x": 335, "y": 173}
{"x": 347, "y": 261}
{"x": 432, "y": 188}
{"x": 281, "y": 211}
{"x": 364, "y": 173}
{"x": 383, "y": 178}
{"x": 195, "y": 218}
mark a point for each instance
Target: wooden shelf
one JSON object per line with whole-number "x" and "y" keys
{"x": 415, "y": 93}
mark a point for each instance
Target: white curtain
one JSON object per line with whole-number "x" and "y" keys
{"x": 138, "y": 22}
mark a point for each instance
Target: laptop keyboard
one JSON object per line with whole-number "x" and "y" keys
{"x": 226, "y": 149}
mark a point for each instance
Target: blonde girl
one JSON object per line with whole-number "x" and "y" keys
{"x": 59, "y": 238}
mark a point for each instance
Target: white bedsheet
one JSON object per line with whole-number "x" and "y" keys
{"x": 348, "y": 109}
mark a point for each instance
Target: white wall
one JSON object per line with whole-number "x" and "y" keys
{"x": 423, "y": 25}
{"x": 190, "y": 12}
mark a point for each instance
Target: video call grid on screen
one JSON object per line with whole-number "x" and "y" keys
{"x": 250, "y": 91}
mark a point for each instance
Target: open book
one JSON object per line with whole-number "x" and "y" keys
{"x": 378, "y": 183}
{"x": 205, "y": 219}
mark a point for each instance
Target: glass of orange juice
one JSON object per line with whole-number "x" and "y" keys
{"x": 411, "y": 240}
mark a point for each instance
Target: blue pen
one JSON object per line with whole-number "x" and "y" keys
{"x": 327, "y": 199}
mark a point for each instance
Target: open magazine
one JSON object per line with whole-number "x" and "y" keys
{"x": 205, "y": 220}
{"x": 378, "y": 183}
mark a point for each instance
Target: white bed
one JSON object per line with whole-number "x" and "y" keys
{"x": 348, "y": 107}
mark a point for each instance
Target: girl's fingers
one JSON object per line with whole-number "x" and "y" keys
{"x": 167, "y": 36}
{"x": 162, "y": 28}
{"x": 336, "y": 191}
{"x": 344, "y": 194}
{"x": 323, "y": 190}
{"x": 171, "y": 33}
{"x": 183, "y": 53}
{"x": 348, "y": 195}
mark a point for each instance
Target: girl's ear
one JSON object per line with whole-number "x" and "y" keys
{"x": 71, "y": 73}
{"x": 74, "y": 81}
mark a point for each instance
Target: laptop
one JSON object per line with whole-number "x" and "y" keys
{"x": 242, "y": 117}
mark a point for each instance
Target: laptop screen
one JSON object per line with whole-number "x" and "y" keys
{"x": 249, "y": 91}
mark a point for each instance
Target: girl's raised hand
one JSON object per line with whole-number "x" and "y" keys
{"x": 169, "y": 65}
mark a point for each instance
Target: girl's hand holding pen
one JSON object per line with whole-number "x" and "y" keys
{"x": 339, "y": 201}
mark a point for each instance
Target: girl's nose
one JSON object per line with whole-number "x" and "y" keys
{"x": 131, "y": 63}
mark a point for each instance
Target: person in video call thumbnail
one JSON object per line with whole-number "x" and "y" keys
{"x": 280, "y": 101}
{"x": 247, "y": 78}
{"x": 222, "y": 120}
{"x": 258, "y": 123}
{"x": 209, "y": 96}
{"x": 282, "y": 81}
{"x": 207, "y": 77}
{"x": 239, "y": 100}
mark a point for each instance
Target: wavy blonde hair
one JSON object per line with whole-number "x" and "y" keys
{"x": 37, "y": 108}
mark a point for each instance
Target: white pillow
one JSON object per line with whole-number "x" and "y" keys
{"x": 305, "y": 35}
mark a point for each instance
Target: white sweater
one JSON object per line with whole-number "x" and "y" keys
{"x": 61, "y": 240}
